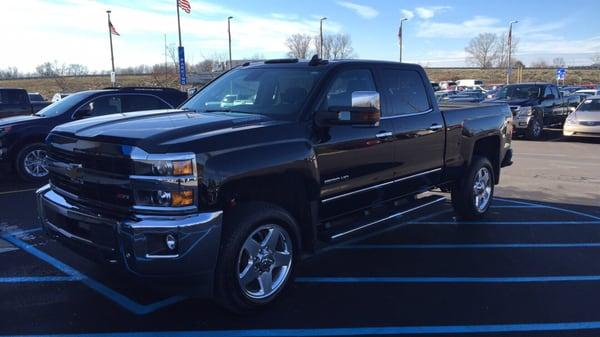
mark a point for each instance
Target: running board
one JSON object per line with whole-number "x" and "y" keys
{"x": 419, "y": 204}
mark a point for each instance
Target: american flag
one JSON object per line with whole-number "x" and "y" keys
{"x": 113, "y": 31}
{"x": 185, "y": 5}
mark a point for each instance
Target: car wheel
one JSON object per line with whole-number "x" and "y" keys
{"x": 535, "y": 129}
{"x": 473, "y": 194}
{"x": 31, "y": 163}
{"x": 259, "y": 252}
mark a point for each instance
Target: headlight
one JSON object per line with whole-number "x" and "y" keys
{"x": 572, "y": 119}
{"x": 165, "y": 168}
{"x": 525, "y": 111}
{"x": 162, "y": 198}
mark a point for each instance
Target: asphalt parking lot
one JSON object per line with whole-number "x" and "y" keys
{"x": 531, "y": 268}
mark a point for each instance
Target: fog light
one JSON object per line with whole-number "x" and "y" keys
{"x": 170, "y": 241}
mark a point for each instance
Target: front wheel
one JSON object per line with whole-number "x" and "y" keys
{"x": 473, "y": 194}
{"x": 258, "y": 255}
{"x": 535, "y": 129}
{"x": 31, "y": 163}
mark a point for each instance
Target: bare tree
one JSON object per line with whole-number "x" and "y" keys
{"x": 298, "y": 45}
{"x": 482, "y": 50}
{"x": 76, "y": 70}
{"x": 501, "y": 50}
{"x": 341, "y": 47}
{"x": 9, "y": 73}
{"x": 596, "y": 60}
{"x": 559, "y": 62}
{"x": 327, "y": 46}
{"x": 540, "y": 63}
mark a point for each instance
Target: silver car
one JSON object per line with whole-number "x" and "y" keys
{"x": 585, "y": 121}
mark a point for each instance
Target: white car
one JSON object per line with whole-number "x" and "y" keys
{"x": 585, "y": 120}
{"x": 591, "y": 92}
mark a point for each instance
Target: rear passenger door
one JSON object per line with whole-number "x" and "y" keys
{"x": 420, "y": 136}
{"x": 134, "y": 102}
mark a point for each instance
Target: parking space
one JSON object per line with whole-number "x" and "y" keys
{"x": 530, "y": 267}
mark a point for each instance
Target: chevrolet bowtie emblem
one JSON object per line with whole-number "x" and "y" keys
{"x": 75, "y": 173}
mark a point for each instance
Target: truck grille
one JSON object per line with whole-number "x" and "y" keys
{"x": 110, "y": 187}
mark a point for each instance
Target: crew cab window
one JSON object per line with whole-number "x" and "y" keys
{"x": 344, "y": 84}
{"x": 16, "y": 97}
{"x": 405, "y": 91}
{"x": 142, "y": 102}
{"x": 101, "y": 106}
{"x": 555, "y": 92}
{"x": 547, "y": 92}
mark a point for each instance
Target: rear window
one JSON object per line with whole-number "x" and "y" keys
{"x": 16, "y": 97}
{"x": 405, "y": 91}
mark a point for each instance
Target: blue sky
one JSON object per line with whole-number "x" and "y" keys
{"x": 74, "y": 31}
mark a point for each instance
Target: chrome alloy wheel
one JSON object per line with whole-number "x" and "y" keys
{"x": 265, "y": 261}
{"x": 537, "y": 128}
{"x": 482, "y": 189}
{"x": 35, "y": 163}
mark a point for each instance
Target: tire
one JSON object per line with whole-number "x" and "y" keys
{"x": 246, "y": 262}
{"x": 464, "y": 195}
{"x": 30, "y": 164}
{"x": 535, "y": 129}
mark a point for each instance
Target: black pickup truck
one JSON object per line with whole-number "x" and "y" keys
{"x": 535, "y": 106}
{"x": 15, "y": 102}
{"x": 269, "y": 161}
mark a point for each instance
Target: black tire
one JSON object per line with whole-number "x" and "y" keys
{"x": 463, "y": 192}
{"x": 535, "y": 129}
{"x": 239, "y": 224}
{"x": 20, "y": 165}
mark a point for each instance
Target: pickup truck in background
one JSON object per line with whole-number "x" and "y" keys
{"x": 15, "y": 102}
{"x": 270, "y": 161}
{"x": 535, "y": 106}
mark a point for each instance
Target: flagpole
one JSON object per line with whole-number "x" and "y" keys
{"x": 112, "y": 57}
{"x": 178, "y": 21}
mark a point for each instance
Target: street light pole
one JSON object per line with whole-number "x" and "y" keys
{"x": 509, "y": 65}
{"x": 229, "y": 33}
{"x": 400, "y": 36}
{"x": 321, "y": 35}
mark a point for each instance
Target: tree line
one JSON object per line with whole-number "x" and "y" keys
{"x": 335, "y": 46}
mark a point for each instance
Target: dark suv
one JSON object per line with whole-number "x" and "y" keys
{"x": 22, "y": 137}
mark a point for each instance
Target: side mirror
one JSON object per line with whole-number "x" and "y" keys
{"x": 365, "y": 110}
{"x": 83, "y": 112}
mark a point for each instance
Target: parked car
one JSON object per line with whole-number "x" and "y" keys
{"x": 15, "y": 102}
{"x": 535, "y": 106}
{"x": 234, "y": 195}
{"x": 469, "y": 83}
{"x": 22, "y": 137}
{"x": 467, "y": 96}
{"x": 591, "y": 92}
{"x": 447, "y": 85}
{"x": 585, "y": 121}
{"x": 60, "y": 95}
{"x": 36, "y": 97}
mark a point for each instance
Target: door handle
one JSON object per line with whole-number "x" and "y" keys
{"x": 435, "y": 127}
{"x": 383, "y": 134}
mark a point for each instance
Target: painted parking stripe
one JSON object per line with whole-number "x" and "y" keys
{"x": 551, "y": 207}
{"x": 472, "y": 246}
{"x": 517, "y": 206}
{"x": 18, "y": 191}
{"x": 39, "y": 279}
{"x": 112, "y": 295}
{"x": 444, "y": 279}
{"x": 364, "y": 331}
{"x": 506, "y": 222}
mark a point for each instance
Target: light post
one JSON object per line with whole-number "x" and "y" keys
{"x": 321, "y": 35}
{"x": 400, "y": 36}
{"x": 509, "y": 65}
{"x": 229, "y": 33}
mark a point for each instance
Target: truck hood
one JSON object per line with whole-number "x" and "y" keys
{"x": 18, "y": 120}
{"x": 157, "y": 127}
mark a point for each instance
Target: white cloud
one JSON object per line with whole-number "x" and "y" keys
{"x": 75, "y": 31}
{"x": 429, "y": 12}
{"x": 407, "y": 13}
{"x": 362, "y": 10}
{"x": 467, "y": 28}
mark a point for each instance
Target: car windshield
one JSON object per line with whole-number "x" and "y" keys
{"x": 590, "y": 105}
{"x": 277, "y": 92}
{"x": 58, "y": 108}
{"x": 520, "y": 92}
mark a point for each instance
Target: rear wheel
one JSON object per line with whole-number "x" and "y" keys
{"x": 473, "y": 194}
{"x": 31, "y": 163}
{"x": 258, "y": 256}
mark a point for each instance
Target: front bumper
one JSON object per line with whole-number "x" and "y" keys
{"x": 137, "y": 243}
{"x": 578, "y": 130}
{"x": 521, "y": 121}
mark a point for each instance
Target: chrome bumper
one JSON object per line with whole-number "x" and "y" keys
{"x": 521, "y": 122}
{"x": 138, "y": 242}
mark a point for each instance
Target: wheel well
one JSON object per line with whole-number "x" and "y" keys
{"x": 14, "y": 152}
{"x": 489, "y": 147}
{"x": 292, "y": 192}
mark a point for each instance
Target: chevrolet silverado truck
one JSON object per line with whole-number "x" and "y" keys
{"x": 269, "y": 162}
{"x": 15, "y": 102}
{"x": 535, "y": 106}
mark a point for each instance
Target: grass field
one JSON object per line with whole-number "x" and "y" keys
{"x": 49, "y": 86}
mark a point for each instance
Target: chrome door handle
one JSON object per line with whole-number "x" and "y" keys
{"x": 436, "y": 127}
{"x": 383, "y": 134}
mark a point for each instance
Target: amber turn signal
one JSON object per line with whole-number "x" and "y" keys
{"x": 182, "y": 198}
{"x": 183, "y": 168}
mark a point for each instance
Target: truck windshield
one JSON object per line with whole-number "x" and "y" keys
{"x": 520, "y": 92}
{"x": 278, "y": 92}
{"x": 60, "y": 107}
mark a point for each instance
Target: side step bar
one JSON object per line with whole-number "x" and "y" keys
{"x": 428, "y": 201}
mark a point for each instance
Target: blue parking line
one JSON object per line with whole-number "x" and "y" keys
{"x": 25, "y": 232}
{"x": 362, "y": 331}
{"x": 39, "y": 279}
{"x": 444, "y": 279}
{"x": 550, "y": 207}
{"x": 472, "y": 246}
{"x": 516, "y": 206}
{"x": 505, "y": 222}
{"x": 112, "y": 295}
